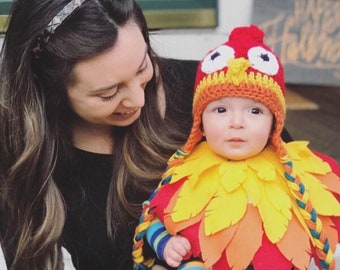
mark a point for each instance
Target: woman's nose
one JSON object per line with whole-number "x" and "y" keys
{"x": 135, "y": 96}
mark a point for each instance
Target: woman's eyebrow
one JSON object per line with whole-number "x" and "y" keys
{"x": 105, "y": 88}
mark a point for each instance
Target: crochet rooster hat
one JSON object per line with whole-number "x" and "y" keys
{"x": 244, "y": 67}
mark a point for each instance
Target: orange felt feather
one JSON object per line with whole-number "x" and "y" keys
{"x": 181, "y": 225}
{"x": 332, "y": 181}
{"x": 168, "y": 222}
{"x": 212, "y": 246}
{"x": 331, "y": 232}
{"x": 246, "y": 241}
{"x": 295, "y": 244}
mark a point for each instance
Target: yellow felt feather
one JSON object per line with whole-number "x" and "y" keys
{"x": 280, "y": 200}
{"x": 322, "y": 200}
{"x": 275, "y": 222}
{"x": 263, "y": 167}
{"x": 298, "y": 149}
{"x": 305, "y": 160}
{"x": 274, "y": 206}
{"x": 253, "y": 188}
{"x": 224, "y": 210}
{"x": 200, "y": 160}
{"x": 271, "y": 157}
{"x": 195, "y": 195}
{"x": 232, "y": 175}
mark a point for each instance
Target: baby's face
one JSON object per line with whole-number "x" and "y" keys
{"x": 237, "y": 128}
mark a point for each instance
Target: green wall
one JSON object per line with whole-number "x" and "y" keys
{"x": 159, "y": 13}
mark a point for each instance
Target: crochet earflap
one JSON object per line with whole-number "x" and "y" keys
{"x": 244, "y": 67}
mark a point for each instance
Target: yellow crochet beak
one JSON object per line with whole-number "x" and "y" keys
{"x": 237, "y": 70}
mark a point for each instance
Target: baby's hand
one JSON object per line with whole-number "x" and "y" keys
{"x": 175, "y": 250}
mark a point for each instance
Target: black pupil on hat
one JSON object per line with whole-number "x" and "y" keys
{"x": 264, "y": 57}
{"x": 214, "y": 55}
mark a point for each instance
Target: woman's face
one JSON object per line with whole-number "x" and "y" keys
{"x": 237, "y": 128}
{"x": 109, "y": 88}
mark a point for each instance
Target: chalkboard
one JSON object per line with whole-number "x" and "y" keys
{"x": 306, "y": 36}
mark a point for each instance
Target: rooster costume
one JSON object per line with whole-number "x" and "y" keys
{"x": 276, "y": 210}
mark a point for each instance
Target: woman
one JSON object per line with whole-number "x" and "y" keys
{"x": 88, "y": 117}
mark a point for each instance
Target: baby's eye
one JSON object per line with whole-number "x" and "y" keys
{"x": 255, "y": 110}
{"x": 220, "y": 110}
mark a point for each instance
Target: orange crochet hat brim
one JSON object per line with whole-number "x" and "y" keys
{"x": 258, "y": 87}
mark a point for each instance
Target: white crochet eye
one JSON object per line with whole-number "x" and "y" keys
{"x": 263, "y": 60}
{"x": 217, "y": 59}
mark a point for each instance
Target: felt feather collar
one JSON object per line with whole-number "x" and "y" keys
{"x": 240, "y": 207}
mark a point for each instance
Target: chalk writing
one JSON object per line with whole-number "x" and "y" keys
{"x": 310, "y": 37}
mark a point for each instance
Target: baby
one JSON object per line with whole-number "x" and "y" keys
{"x": 235, "y": 195}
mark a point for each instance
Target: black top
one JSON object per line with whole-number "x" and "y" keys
{"x": 85, "y": 189}
{"x": 85, "y": 186}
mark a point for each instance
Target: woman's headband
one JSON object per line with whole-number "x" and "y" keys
{"x": 63, "y": 14}
{"x": 57, "y": 20}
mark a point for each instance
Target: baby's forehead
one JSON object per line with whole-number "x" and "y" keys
{"x": 237, "y": 99}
